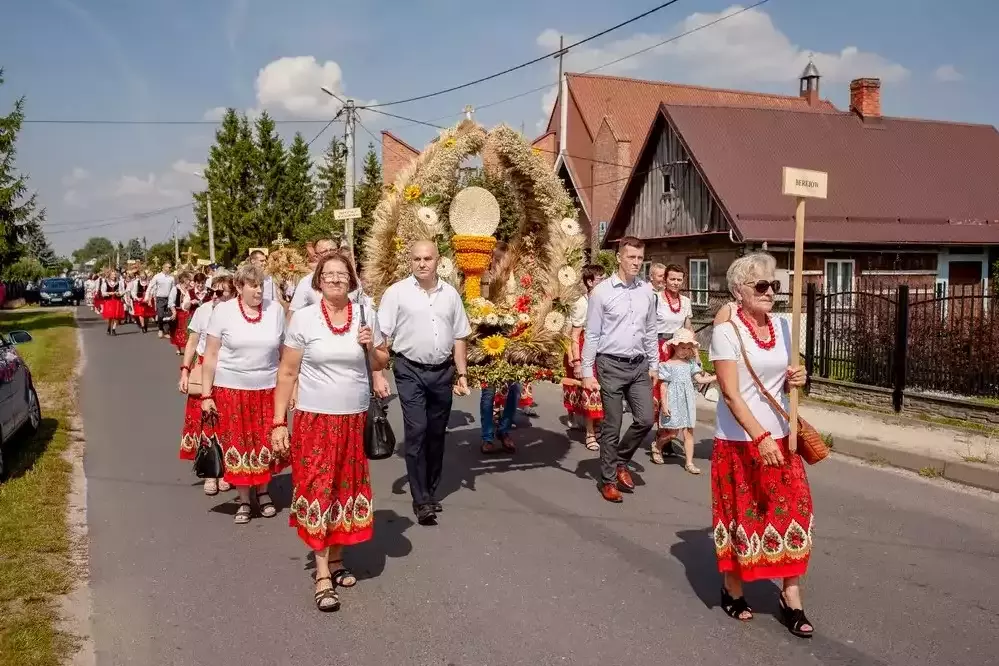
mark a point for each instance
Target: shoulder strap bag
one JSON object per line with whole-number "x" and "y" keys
{"x": 379, "y": 440}
{"x": 810, "y": 445}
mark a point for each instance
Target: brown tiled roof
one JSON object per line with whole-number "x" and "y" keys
{"x": 631, "y": 104}
{"x": 890, "y": 181}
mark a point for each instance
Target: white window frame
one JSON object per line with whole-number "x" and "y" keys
{"x": 602, "y": 231}
{"x": 698, "y": 292}
{"x": 845, "y": 301}
{"x": 643, "y": 272}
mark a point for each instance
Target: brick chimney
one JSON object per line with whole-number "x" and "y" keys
{"x": 865, "y": 98}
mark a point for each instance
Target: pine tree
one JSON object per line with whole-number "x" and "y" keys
{"x": 133, "y": 250}
{"x": 36, "y": 245}
{"x": 270, "y": 165}
{"x": 331, "y": 190}
{"x": 232, "y": 181}
{"x": 299, "y": 195}
{"x": 367, "y": 196}
{"x": 17, "y": 209}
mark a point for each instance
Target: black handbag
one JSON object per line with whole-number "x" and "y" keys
{"x": 379, "y": 440}
{"x": 208, "y": 463}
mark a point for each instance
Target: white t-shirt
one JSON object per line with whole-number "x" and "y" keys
{"x": 198, "y": 325}
{"x": 667, "y": 321}
{"x": 250, "y": 353}
{"x": 333, "y": 378}
{"x": 771, "y": 367}
{"x": 577, "y": 318}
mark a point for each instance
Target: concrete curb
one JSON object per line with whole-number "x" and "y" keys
{"x": 976, "y": 475}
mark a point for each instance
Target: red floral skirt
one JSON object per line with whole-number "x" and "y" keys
{"x": 143, "y": 309}
{"x": 113, "y": 308}
{"x": 190, "y": 435}
{"x": 331, "y": 487}
{"x": 243, "y": 429}
{"x": 575, "y": 398}
{"x": 665, "y": 352}
{"x": 762, "y": 516}
{"x": 179, "y": 336}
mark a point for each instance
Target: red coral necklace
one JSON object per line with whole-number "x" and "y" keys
{"x": 339, "y": 330}
{"x": 769, "y": 344}
{"x": 250, "y": 320}
{"x": 669, "y": 302}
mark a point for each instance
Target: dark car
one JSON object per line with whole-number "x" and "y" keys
{"x": 57, "y": 291}
{"x": 20, "y": 412}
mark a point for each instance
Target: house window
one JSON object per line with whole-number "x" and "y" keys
{"x": 839, "y": 281}
{"x": 667, "y": 184}
{"x": 601, "y": 231}
{"x": 698, "y": 281}
{"x": 643, "y": 273}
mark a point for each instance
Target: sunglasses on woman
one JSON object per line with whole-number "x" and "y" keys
{"x": 763, "y": 286}
{"x": 219, "y": 293}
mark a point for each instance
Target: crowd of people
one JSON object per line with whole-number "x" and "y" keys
{"x": 310, "y": 356}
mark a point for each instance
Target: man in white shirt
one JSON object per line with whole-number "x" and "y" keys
{"x": 424, "y": 320}
{"x": 158, "y": 293}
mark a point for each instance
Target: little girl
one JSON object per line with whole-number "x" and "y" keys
{"x": 677, "y": 396}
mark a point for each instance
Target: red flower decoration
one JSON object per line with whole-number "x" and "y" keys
{"x": 523, "y": 303}
{"x": 526, "y": 280}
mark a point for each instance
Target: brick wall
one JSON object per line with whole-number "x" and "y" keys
{"x": 396, "y": 156}
{"x": 609, "y": 180}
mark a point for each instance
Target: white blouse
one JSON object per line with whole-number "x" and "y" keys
{"x": 667, "y": 321}
{"x": 250, "y": 352}
{"x": 199, "y": 325}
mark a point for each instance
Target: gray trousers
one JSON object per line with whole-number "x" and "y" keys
{"x": 620, "y": 381}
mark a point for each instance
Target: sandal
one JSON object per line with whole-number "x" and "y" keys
{"x": 267, "y": 509}
{"x": 491, "y": 448}
{"x": 342, "y": 576}
{"x": 690, "y": 468}
{"x": 735, "y": 608}
{"x": 224, "y": 486}
{"x": 243, "y": 514}
{"x": 211, "y": 487}
{"x": 794, "y": 619}
{"x": 657, "y": 455}
{"x": 591, "y": 443}
{"x": 327, "y": 599}
{"x": 507, "y": 443}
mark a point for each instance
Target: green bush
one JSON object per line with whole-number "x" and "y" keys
{"x": 24, "y": 270}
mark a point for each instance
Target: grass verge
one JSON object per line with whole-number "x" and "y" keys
{"x": 35, "y": 563}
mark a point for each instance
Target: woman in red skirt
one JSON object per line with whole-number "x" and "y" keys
{"x": 577, "y": 400}
{"x": 180, "y": 310}
{"x": 760, "y": 500}
{"x": 324, "y": 355}
{"x": 196, "y": 428}
{"x": 141, "y": 310}
{"x": 98, "y": 293}
{"x": 113, "y": 302}
{"x": 238, "y": 378}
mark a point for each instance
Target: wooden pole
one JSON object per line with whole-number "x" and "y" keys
{"x": 799, "y": 268}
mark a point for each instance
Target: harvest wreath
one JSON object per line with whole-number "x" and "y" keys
{"x": 520, "y": 333}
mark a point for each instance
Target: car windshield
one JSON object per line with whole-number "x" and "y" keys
{"x": 56, "y": 284}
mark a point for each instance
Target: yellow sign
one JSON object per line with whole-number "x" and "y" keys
{"x": 805, "y": 184}
{"x": 265, "y": 250}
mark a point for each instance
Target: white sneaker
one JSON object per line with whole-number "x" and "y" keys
{"x": 224, "y": 486}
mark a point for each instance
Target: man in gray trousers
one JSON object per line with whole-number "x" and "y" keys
{"x": 620, "y": 344}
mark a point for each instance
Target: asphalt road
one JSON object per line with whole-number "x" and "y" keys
{"x": 528, "y": 565}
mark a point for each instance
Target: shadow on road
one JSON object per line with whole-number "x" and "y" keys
{"x": 367, "y": 560}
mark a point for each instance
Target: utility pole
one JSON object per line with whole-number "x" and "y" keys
{"x": 211, "y": 230}
{"x": 349, "y": 112}
{"x": 176, "y": 242}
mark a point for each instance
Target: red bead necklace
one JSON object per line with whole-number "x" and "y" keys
{"x": 769, "y": 344}
{"x": 250, "y": 320}
{"x": 338, "y": 330}
{"x": 669, "y": 302}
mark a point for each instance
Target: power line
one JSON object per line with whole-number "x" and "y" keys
{"x": 112, "y": 221}
{"x": 529, "y": 62}
{"x": 214, "y": 123}
{"x": 137, "y": 216}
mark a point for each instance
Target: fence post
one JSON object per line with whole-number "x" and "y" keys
{"x": 810, "y": 335}
{"x": 901, "y": 352}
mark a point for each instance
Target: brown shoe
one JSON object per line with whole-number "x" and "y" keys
{"x": 624, "y": 479}
{"x": 610, "y": 493}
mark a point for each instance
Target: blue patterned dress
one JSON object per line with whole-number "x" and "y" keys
{"x": 680, "y": 393}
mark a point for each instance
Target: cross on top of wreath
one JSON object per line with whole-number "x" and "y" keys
{"x": 189, "y": 255}
{"x": 280, "y": 241}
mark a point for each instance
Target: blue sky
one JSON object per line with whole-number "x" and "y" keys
{"x": 178, "y": 60}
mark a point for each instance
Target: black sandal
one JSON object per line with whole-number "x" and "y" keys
{"x": 794, "y": 619}
{"x": 267, "y": 509}
{"x": 734, "y": 608}
{"x": 342, "y": 576}
{"x": 327, "y": 600}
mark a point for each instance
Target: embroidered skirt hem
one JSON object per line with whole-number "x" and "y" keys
{"x": 243, "y": 431}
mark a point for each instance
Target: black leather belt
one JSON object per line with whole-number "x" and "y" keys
{"x": 448, "y": 362}
{"x": 625, "y": 359}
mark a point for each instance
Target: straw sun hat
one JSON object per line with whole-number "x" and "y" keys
{"x": 683, "y": 336}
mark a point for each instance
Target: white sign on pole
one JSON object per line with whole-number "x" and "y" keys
{"x": 347, "y": 214}
{"x": 805, "y": 184}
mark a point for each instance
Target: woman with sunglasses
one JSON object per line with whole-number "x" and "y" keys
{"x": 760, "y": 498}
{"x": 195, "y": 426}
{"x": 325, "y": 353}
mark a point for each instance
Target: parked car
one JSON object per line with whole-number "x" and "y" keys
{"x": 20, "y": 411}
{"x": 58, "y": 291}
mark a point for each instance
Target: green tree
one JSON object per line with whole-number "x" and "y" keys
{"x": 159, "y": 253}
{"x": 133, "y": 250}
{"x": 232, "y": 182}
{"x": 331, "y": 189}
{"x": 98, "y": 248}
{"x": 18, "y": 210}
{"x": 607, "y": 259}
{"x": 299, "y": 194}
{"x": 367, "y": 196}
{"x": 270, "y": 165}
{"x": 26, "y": 269}
{"x": 36, "y": 245}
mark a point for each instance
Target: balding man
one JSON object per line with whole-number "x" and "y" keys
{"x": 424, "y": 320}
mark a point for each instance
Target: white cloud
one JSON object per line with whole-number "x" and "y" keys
{"x": 216, "y": 114}
{"x": 75, "y": 177}
{"x": 187, "y": 168}
{"x": 947, "y": 74}
{"x": 739, "y": 51}
{"x": 131, "y": 192}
